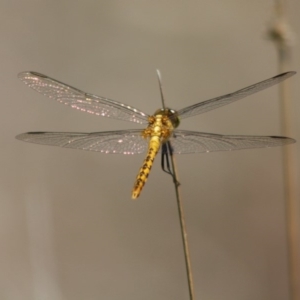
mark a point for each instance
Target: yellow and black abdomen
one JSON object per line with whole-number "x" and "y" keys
{"x": 154, "y": 145}
{"x": 159, "y": 130}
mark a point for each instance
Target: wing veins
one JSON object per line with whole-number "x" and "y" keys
{"x": 214, "y": 103}
{"x": 194, "y": 142}
{"x": 122, "y": 141}
{"x": 80, "y": 100}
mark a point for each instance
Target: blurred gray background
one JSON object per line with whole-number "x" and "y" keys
{"x": 69, "y": 229}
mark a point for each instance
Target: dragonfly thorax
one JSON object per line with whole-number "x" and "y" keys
{"x": 171, "y": 114}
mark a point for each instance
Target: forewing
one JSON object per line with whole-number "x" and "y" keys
{"x": 211, "y": 104}
{"x": 80, "y": 100}
{"x": 184, "y": 141}
{"x": 123, "y": 141}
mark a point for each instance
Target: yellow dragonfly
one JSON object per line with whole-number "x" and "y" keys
{"x": 161, "y": 131}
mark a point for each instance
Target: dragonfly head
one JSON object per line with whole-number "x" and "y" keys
{"x": 171, "y": 114}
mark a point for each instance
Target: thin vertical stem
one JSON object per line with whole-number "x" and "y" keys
{"x": 160, "y": 88}
{"x": 183, "y": 229}
{"x": 291, "y": 210}
{"x": 180, "y": 207}
{"x": 280, "y": 35}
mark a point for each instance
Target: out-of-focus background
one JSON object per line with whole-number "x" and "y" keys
{"x": 69, "y": 229}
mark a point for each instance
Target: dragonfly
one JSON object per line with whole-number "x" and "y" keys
{"x": 161, "y": 133}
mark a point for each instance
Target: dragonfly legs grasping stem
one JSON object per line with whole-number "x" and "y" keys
{"x": 166, "y": 151}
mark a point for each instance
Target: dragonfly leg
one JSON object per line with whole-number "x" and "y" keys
{"x": 170, "y": 151}
{"x": 165, "y": 159}
{"x": 166, "y": 151}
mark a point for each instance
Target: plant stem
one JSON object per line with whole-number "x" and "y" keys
{"x": 183, "y": 230}
{"x": 179, "y": 206}
{"x": 280, "y": 35}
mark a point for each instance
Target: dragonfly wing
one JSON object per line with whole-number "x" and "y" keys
{"x": 80, "y": 100}
{"x": 211, "y": 104}
{"x": 184, "y": 141}
{"x": 123, "y": 141}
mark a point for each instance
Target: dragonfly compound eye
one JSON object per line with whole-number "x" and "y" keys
{"x": 171, "y": 114}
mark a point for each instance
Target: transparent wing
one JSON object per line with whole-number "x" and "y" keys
{"x": 123, "y": 141}
{"x": 185, "y": 141}
{"x": 82, "y": 101}
{"x": 207, "y": 105}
